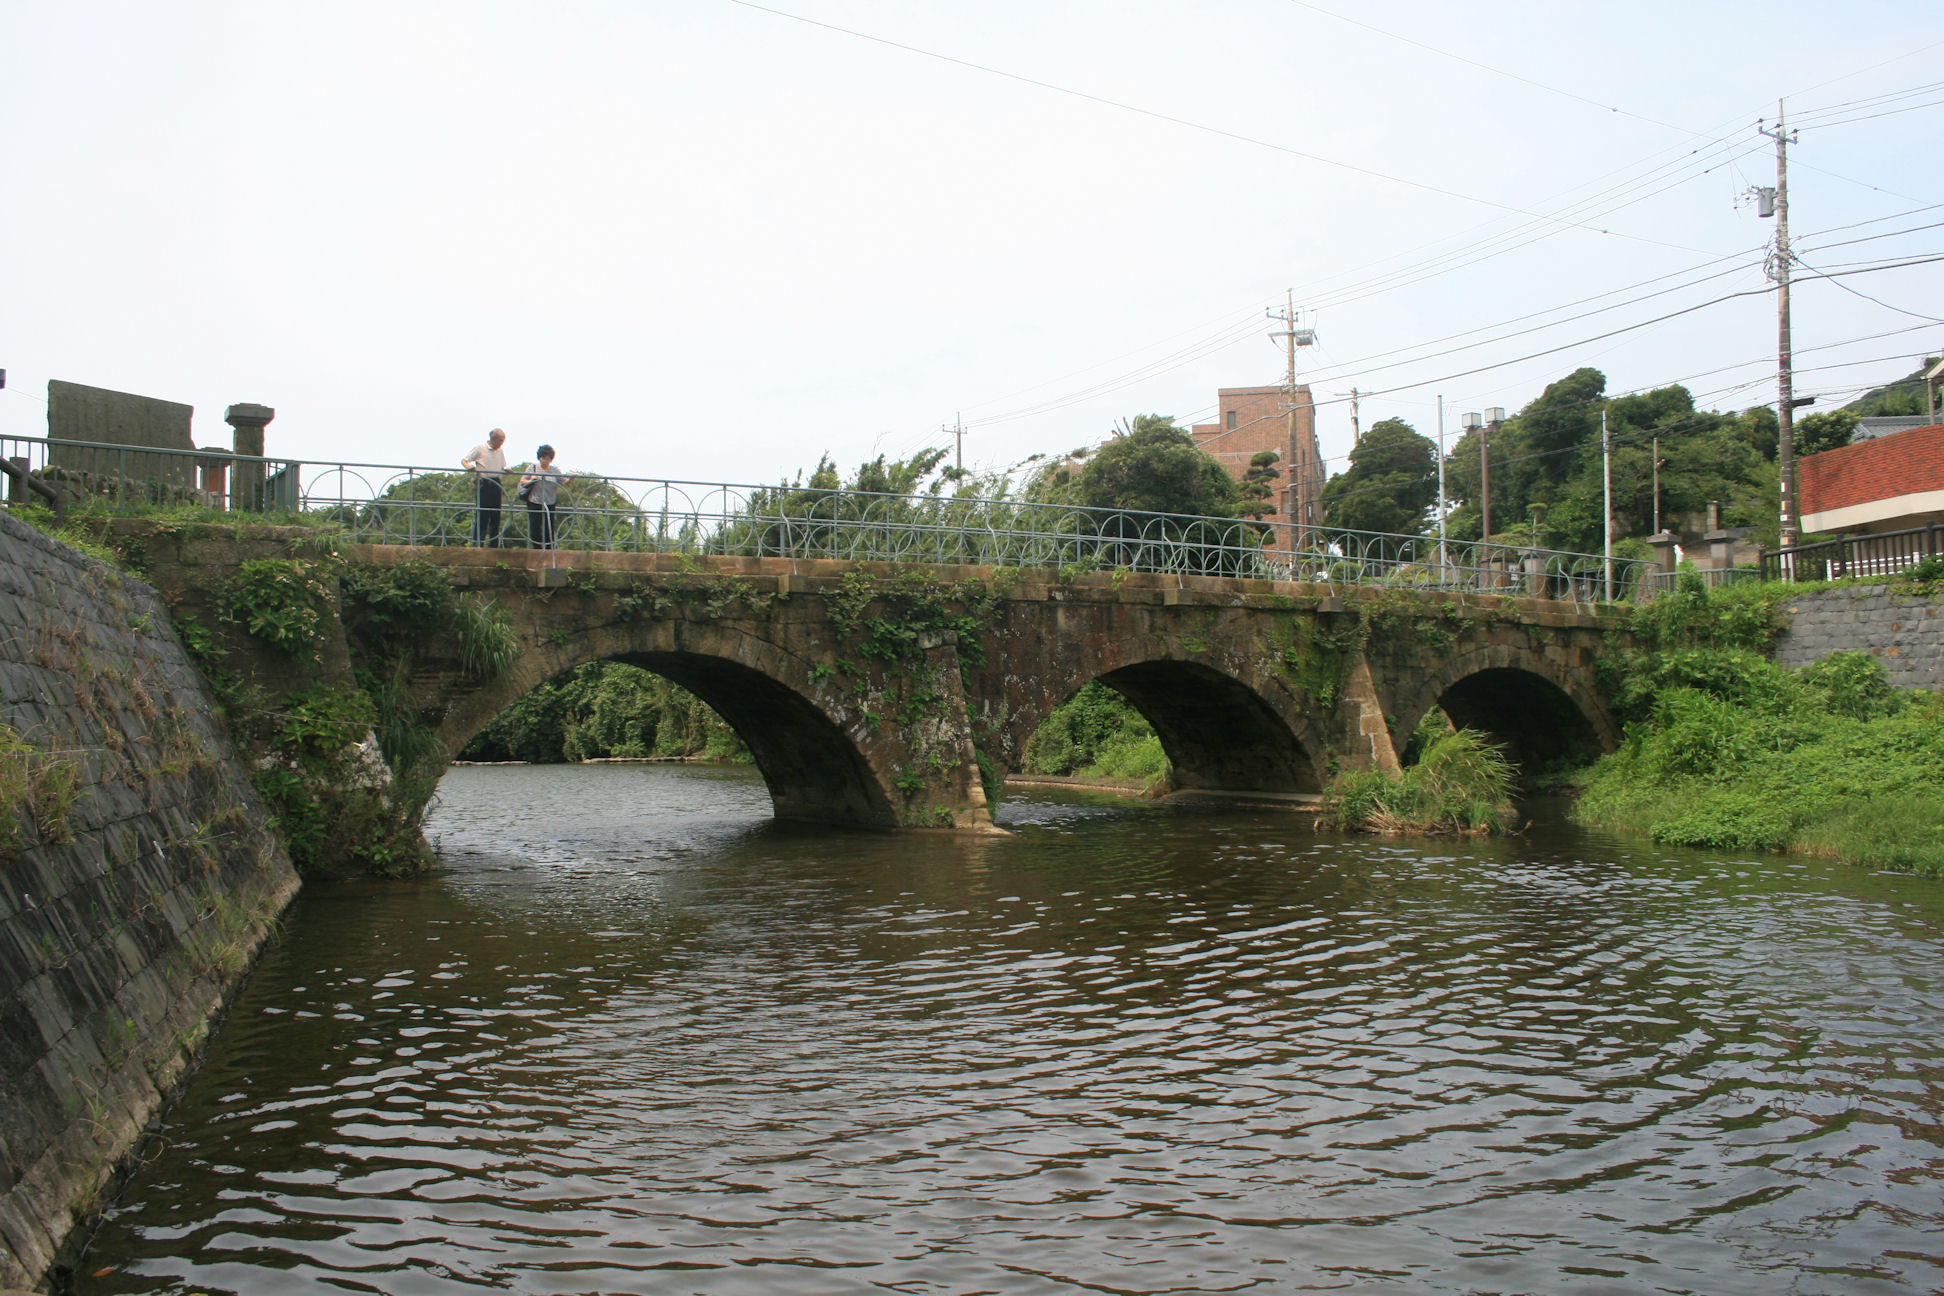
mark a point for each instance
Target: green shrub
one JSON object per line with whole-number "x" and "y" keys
{"x": 1077, "y": 732}
{"x": 1693, "y": 616}
{"x": 607, "y": 709}
{"x": 1730, "y": 818}
{"x": 1853, "y": 684}
{"x": 1928, "y": 571}
{"x": 283, "y": 601}
{"x": 1739, "y": 754}
{"x": 1462, "y": 784}
{"x": 325, "y": 719}
{"x": 487, "y": 644}
{"x": 385, "y": 603}
{"x": 1129, "y": 757}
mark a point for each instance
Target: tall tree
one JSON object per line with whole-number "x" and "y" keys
{"x": 1391, "y": 481}
{"x": 1156, "y": 468}
{"x": 1825, "y": 431}
{"x": 1564, "y": 420}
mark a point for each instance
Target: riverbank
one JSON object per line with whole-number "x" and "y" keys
{"x": 1727, "y": 750}
{"x": 141, "y": 879}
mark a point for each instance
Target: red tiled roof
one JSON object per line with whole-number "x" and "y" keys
{"x": 1902, "y": 463}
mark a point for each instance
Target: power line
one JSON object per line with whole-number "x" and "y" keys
{"x": 1871, "y": 238}
{"x": 1874, "y": 220}
{"x": 1865, "y": 296}
{"x": 1897, "y": 58}
{"x": 1237, "y": 136}
{"x": 1688, "y": 310}
{"x": 1227, "y": 322}
{"x": 1537, "y": 328}
{"x": 1472, "y": 253}
{"x": 1188, "y": 355}
{"x": 1486, "y": 67}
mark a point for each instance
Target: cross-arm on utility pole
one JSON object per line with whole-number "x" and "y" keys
{"x": 1306, "y": 488}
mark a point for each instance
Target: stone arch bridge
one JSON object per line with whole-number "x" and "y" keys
{"x": 871, "y": 694}
{"x": 868, "y": 694}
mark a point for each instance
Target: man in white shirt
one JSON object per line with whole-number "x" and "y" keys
{"x": 487, "y": 461}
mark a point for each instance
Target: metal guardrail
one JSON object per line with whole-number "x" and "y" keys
{"x": 403, "y": 504}
{"x": 1652, "y": 584}
{"x": 1887, "y": 553}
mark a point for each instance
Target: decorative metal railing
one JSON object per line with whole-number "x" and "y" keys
{"x": 401, "y": 504}
{"x": 1887, "y": 553}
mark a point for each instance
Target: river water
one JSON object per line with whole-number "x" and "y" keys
{"x": 639, "y": 1038}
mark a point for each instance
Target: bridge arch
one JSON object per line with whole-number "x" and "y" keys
{"x": 814, "y": 766}
{"x": 1225, "y": 725}
{"x": 1539, "y": 710}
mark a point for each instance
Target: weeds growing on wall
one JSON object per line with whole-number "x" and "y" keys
{"x": 285, "y": 602}
{"x": 83, "y": 532}
{"x": 37, "y": 786}
{"x": 1461, "y": 784}
{"x": 487, "y": 644}
{"x": 339, "y": 806}
{"x": 390, "y": 607}
{"x": 891, "y": 618}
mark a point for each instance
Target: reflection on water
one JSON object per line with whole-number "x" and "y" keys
{"x": 640, "y": 1039}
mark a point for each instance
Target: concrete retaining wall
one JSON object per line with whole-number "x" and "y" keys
{"x": 1905, "y": 633}
{"x": 137, "y": 882}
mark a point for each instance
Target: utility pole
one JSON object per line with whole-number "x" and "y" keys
{"x": 1441, "y": 490}
{"x": 1356, "y": 425}
{"x": 958, "y": 440}
{"x": 1657, "y": 463}
{"x": 1493, "y": 417}
{"x": 1784, "y": 361}
{"x": 1305, "y": 490}
{"x": 1606, "y": 486}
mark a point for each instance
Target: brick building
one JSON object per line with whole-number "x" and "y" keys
{"x": 1889, "y": 483}
{"x": 1253, "y": 419}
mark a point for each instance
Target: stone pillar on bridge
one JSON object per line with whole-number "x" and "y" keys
{"x": 1665, "y": 559}
{"x": 246, "y": 483}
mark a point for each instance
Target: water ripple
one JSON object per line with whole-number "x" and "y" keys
{"x": 1131, "y": 1050}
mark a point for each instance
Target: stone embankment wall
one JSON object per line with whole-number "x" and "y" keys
{"x": 1904, "y": 632}
{"x": 138, "y": 880}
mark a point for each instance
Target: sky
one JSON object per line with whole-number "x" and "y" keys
{"x": 712, "y": 240}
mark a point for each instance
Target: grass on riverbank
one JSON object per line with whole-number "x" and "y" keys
{"x": 1731, "y": 752}
{"x": 1461, "y": 784}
